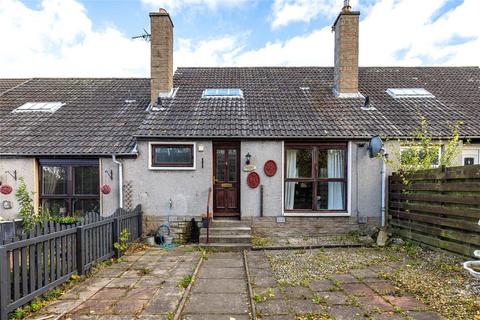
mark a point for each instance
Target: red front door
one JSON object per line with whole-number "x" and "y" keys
{"x": 226, "y": 179}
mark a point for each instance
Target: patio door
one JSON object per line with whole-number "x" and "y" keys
{"x": 226, "y": 179}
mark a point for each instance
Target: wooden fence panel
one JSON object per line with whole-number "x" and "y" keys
{"x": 438, "y": 207}
{"x": 47, "y": 256}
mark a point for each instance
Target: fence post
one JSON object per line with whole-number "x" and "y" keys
{"x": 80, "y": 251}
{"x": 116, "y": 236}
{"x": 4, "y": 283}
{"x": 140, "y": 222}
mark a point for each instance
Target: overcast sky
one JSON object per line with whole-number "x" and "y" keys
{"x": 74, "y": 38}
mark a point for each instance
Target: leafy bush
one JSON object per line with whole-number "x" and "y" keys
{"x": 122, "y": 244}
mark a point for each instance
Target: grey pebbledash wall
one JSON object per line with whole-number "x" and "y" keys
{"x": 261, "y": 152}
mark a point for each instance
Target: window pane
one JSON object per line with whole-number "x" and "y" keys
{"x": 331, "y": 195}
{"x": 173, "y": 154}
{"x": 232, "y": 165}
{"x": 56, "y": 207}
{"x": 299, "y": 163}
{"x": 331, "y": 163}
{"x": 54, "y": 180}
{"x": 83, "y": 206}
{"x": 298, "y": 195}
{"x": 86, "y": 180}
{"x": 220, "y": 165}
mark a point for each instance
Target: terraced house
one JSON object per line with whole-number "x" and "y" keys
{"x": 279, "y": 148}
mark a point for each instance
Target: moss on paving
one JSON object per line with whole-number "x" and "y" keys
{"x": 436, "y": 278}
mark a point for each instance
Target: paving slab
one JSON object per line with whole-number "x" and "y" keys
{"x": 272, "y": 307}
{"x": 221, "y": 273}
{"x": 225, "y": 303}
{"x": 219, "y": 286}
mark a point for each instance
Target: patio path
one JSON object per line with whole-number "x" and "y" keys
{"x": 142, "y": 286}
{"x": 220, "y": 291}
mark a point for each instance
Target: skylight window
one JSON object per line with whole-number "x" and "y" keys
{"x": 222, "y": 93}
{"x": 409, "y": 93}
{"x": 39, "y": 107}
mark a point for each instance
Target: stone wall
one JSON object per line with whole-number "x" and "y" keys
{"x": 308, "y": 226}
{"x": 179, "y": 226}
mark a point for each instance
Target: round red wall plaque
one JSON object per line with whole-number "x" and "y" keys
{"x": 253, "y": 180}
{"x": 106, "y": 189}
{"x": 270, "y": 168}
{"x": 6, "y": 189}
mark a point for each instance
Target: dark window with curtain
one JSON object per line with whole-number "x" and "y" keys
{"x": 315, "y": 177}
{"x": 70, "y": 187}
{"x": 172, "y": 155}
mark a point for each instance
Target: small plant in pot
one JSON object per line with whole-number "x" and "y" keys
{"x": 150, "y": 239}
{"x": 204, "y": 221}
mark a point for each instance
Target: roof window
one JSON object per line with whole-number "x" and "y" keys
{"x": 222, "y": 93}
{"x": 39, "y": 107}
{"x": 409, "y": 93}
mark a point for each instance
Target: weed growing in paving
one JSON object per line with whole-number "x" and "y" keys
{"x": 320, "y": 300}
{"x": 263, "y": 296}
{"x": 145, "y": 271}
{"x": 185, "y": 281}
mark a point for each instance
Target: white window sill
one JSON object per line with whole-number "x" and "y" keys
{"x": 316, "y": 214}
{"x": 172, "y": 168}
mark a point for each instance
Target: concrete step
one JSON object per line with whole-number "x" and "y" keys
{"x": 214, "y": 238}
{"x": 227, "y": 230}
{"x": 226, "y": 246}
{"x": 216, "y": 223}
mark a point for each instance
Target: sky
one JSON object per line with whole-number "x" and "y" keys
{"x": 93, "y": 38}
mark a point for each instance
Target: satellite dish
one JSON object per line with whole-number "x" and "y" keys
{"x": 375, "y": 146}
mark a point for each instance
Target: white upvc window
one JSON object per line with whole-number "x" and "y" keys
{"x": 470, "y": 155}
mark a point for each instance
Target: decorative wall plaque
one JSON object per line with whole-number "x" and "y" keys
{"x": 253, "y": 180}
{"x": 270, "y": 168}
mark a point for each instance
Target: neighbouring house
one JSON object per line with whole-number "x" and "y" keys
{"x": 277, "y": 146}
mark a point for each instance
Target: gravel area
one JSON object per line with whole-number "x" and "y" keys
{"x": 400, "y": 281}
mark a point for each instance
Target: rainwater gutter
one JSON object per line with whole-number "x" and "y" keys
{"x": 120, "y": 180}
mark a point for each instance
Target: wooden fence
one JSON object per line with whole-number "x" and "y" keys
{"x": 438, "y": 207}
{"x": 47, "y": 256}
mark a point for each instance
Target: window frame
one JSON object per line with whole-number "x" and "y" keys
{"x": 70, "y": 196}
{"x": 172, "y": 166}
{"x": 315, "y": 179}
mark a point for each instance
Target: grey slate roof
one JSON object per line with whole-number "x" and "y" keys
{"x": 95, "y": 119}
{"x": 274, "y": 104}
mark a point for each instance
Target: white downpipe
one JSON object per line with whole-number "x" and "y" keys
{"x": 383, "y": 177}
{"x": 120, "y": 180}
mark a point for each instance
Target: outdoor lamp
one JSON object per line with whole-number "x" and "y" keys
{"x": 248, "y": 156}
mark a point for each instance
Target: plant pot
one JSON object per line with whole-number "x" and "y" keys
{"x": 205, "y": 222}
{"x": 150, "y": 241}
{"x": 168, "y": 239}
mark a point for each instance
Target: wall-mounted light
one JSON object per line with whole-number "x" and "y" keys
{"x": 248, "y": 156}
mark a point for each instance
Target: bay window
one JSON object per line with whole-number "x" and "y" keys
{"x": 69, "y": 187}
{"x": 315, "y": 177}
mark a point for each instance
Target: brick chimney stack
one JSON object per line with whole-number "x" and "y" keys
{"x": 161, "y": 56}
{"x": 345, "y": 78}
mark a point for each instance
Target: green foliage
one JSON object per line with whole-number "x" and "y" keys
{"x": 122, "y": 244}
{"x": 422, "y": 153}
{"x": 320, "y": 300}
{"x": 185, "y": 281}
{"x": 66, "y": 219}
{"x": 25, "y": 202}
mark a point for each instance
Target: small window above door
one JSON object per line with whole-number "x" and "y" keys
{"x": 172, "y": 156}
